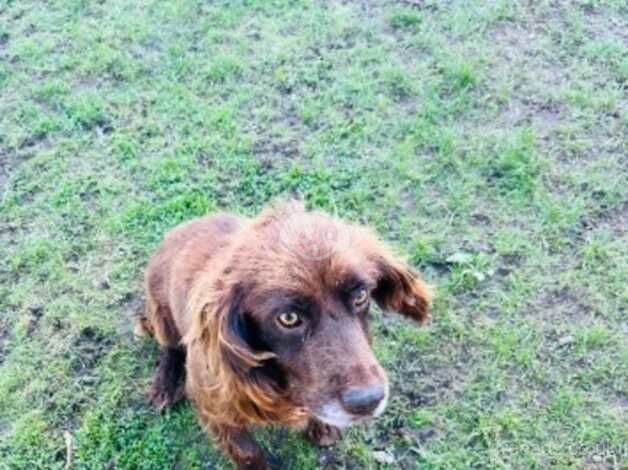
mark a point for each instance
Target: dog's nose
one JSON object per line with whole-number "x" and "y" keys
{"x": 362, "y": 400}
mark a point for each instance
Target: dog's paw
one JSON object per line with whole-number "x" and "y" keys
{"x": 142, "y": 328}
{"x": 162, "y": 396}
{"x": 253, "y": 463}
{"x": 322, "y": 434}
{"x": 169, "y": 379}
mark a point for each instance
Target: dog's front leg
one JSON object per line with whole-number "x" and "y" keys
{"x": 238, "y": 444}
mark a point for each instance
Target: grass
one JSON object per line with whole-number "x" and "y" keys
{"x": 486, "y": 140}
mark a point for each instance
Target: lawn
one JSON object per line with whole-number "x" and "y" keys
{"x": 487, "y": 141}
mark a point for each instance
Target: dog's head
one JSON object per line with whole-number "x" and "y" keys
{"x": 291, "y": 307}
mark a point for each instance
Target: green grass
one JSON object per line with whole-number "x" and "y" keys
{"x": 486, "y": 140}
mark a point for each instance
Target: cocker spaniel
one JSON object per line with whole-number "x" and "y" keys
{"x": 265, "y": 321}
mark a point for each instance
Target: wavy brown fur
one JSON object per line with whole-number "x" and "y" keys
{"x": 229, "y": 398}
{"x": 214, "y": 288}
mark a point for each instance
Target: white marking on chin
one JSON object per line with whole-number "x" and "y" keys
{"x": 333, "y": 414}
{"x": 382, "y": 404}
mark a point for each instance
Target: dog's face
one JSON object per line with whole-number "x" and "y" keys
{"x": 319, "y": 335}
{"x": 303, "y": 284}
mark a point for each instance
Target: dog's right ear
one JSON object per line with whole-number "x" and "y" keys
{"x": 243, "y": 376}
{"x": 226, "y": 334}
{"x": 236, "y": 337}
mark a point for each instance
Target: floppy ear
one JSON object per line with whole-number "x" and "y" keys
{"x": 235, "y": 338}
{"x": 399, "y": 288}
{"x": 244, "y": 377}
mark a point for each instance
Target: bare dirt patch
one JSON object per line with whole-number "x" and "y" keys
{"x": 267, "y": 149}
{"x": 528, "y": 106}
{"x": 614, "y": 218}
{"x": 91, "y": 346}
{"x": 4, "y": 340}
{"x": 419, "y": 383}
{"x": 35, "y": 314}
{"x": 132, "y": 308}
{"x": 5, "y": 169}
{"x": 566, "y": 303}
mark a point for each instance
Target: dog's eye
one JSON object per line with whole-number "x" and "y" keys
{"x": 289, "y": 319}
{"x": 360, "y": 298}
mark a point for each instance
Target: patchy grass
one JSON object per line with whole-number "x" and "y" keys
{"x": 487, "y": 140}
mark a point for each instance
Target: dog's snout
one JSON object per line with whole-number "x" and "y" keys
{"x": 362, "y": 400}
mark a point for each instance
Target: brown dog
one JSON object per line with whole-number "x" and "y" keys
{"x": 265, "y": 321}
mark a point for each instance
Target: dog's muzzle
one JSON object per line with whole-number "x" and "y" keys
{"x": 356, "y": 404}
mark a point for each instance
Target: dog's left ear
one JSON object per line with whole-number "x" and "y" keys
{"x": 398, "y": 287}
{"x": 237, "y": 338}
